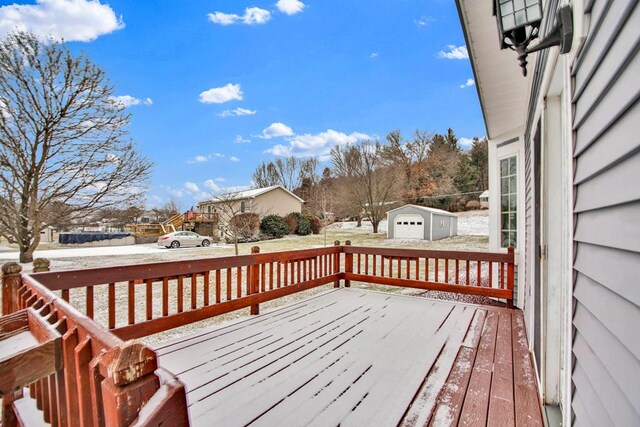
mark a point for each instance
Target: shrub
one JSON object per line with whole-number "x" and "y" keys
{"x": 274, "y": 226}
{"x": 473, "y": 204}
{"x": 304, "y": 226}
{"x": 314, "y": 222}
{"x": 245, "y": 225}
{"x": 292, "y": 223}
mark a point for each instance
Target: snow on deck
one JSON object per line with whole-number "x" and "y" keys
{"x": 354, "y": 357}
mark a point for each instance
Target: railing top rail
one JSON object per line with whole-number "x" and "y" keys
{"x": 430, "y": 253}
{"x": 104, "y": 338}
{"x": 69, "y": 279}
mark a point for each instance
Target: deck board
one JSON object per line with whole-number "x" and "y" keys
{"x": 353, "y": 357}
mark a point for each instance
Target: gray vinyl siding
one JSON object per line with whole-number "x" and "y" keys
{"x": 442, "y": 226}
{"x": 606, "y": 319}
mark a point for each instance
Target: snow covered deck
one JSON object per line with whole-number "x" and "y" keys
{"x": 354, "y": 357}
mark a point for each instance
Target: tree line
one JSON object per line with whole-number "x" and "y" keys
{"x": 368, "y": 178}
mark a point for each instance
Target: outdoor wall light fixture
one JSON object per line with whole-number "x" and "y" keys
{"x": 519, "y": 24}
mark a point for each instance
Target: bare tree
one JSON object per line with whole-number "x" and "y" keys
{"x": 410, "y": 156}
{"x": 231, "y": 213}
{"x": 371, "y": 184}
{"x": 285, "y": 171}
{"x": 63, "y": 140}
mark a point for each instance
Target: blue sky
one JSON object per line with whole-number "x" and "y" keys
{"x": 216, "y": 87}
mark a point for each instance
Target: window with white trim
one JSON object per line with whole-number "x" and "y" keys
{"x": 509, "y": 202}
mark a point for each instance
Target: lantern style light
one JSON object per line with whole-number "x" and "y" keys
{"x": 519, "y": 24}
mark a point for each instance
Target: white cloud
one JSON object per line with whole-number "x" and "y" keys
{"x": 465, "y": 143}
{"x": 211, "y": 185}
{"x": 223, "y": 18}
{"x": 374, "y": 55}
{"x": 219, "y": 180}
{"x": 71, "y": 20}
{"x": 237, "y": 112}
{"x": 234, "y": 159}
{"x": 218, "y": 155}
{"x": 199, "y": 159}
{"x": 218, "y": 95}
{"x": 468, "y": 83}
{"x": 241, "y": 140}
{"x": 255, "y": 15}
{"x": 252, "y": 15}
{"x": 455, "y": 52}
{"x": 126, "y": 101}
{"x": 176, "y": 192}
{"x": 423, "y": 21}
{"x": 290, "y": 7}
{"x": 319, "y": 144}
{"x": 191, "y": 187}
{"x": 275, "y": 130}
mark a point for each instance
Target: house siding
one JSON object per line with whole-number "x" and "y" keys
{"x": 606, "y": 343}
{"x": 276, "y": 202}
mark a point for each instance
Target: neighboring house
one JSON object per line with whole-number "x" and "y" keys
{"x": 564, "y": 167}
{"x": 484, "y": 200}
{"x": 420, "y": 222}
{"x": 274, "y": 200}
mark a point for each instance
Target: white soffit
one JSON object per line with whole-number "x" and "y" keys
{"x": 502, "y": 88}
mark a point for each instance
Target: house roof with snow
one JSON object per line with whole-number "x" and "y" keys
{"x": 248, "y": 194}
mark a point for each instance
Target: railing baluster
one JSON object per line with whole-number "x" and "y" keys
{"x": 218, "y": 286}
{"x": 89, "y": 295}
{"x": 165, "y": 296}
{"x": 446, "y": 270}
{"x": 180, "y": 285}
{"x": 408, "y": 269}
{"x": 149, "y": 295}
{"x": 205, "y": 289}
{"x": 65, "y": 295}
{"x": 479, "y": 279}
{"x": 82, "y": 359}
{"x": 457, "y": 272}
{"x": 490, "y": 274}
{"x": 194, "y": 291}
{"x": 239, "y": 282}
{"x": 278, "y": 274}
{"x": 229, "y": 292}
{"x": 270, "y": 275}
{"x": 436, "y": 269}
{"x": 131, "y": 298}
{"x": 111, "y": 298}
{"x": 263, "y": 275}
{"x": 467, "y": 274}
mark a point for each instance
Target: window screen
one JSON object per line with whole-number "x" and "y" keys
{"x": 508, "y": 202}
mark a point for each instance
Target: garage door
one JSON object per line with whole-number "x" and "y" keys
{"x": 409, "y": 227}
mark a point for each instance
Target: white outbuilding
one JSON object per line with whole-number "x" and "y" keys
{"x": 420, "y": 222}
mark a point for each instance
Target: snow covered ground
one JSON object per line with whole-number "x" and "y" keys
{"x": 471, "y": 223}
{"x": 150, "y": 248}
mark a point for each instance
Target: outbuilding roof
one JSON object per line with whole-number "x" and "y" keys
{"x": 424, "y": 208}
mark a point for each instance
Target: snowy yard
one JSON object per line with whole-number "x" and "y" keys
{"x": 473, "y": 231}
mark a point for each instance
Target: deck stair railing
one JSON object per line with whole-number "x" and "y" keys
{"x": 140, "y": 300}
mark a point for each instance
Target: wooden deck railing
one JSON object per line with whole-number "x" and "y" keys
{"x": 105, "y": 381}
{"x": 145, "y": 299}
{"x": 474, "y": 273}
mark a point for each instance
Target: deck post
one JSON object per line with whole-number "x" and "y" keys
{"x": 510, "y": 275}
{"x": 11, "y": 282}
{"x": 129, "y": 381}
{"x": 348, "y": 264}
{"x": 336, "y": 264}
{"x": 41, "y": 265}
{"x": 254, "y": 280}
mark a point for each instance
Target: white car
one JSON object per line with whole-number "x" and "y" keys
{"x": 184, "y": 239}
